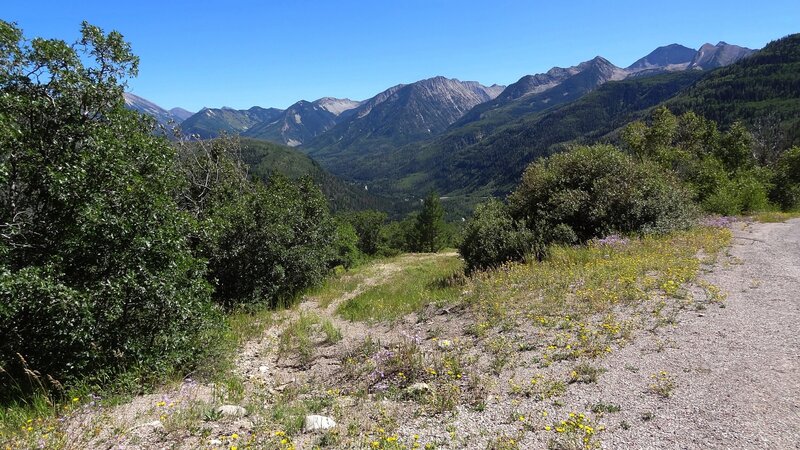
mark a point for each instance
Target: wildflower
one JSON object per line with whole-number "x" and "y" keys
{"x": 234, "y": 436}
{"x": 75, "y": 400}
{"x": 548, "y": 428}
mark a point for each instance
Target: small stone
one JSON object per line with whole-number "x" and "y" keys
{"x": 419, "y": 389}
{"x": 154, "y": 424}
{"x": 214, "y": 442}
{"x": 315, "y": 422}
{"x": 232, "y": 411}
{"x": 263, "y": 369}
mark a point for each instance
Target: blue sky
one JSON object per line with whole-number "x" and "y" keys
{"x": 270, "y": 53}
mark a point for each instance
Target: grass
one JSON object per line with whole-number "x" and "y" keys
{"x": 573, "y": 283}
{"x": 585, "y": 373}
{"x": 775, "y": 216}
{"x": 418, "y": 282}
{"x": 300, "y": 337}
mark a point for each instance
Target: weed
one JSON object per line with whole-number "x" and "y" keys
{"x": 774, "y": 216}
{"x": 332, "y": 334}
{"x": 577, "y": 432}
{"x": 585, "y": 373}
{"x": 602, "y": 407}
{"x": 663, "y": 384}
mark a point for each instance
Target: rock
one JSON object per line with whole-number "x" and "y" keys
{"x": 214, "y": 442}
{"x": 232, "y": 411}
{"x": 417, "y": 390}
{"x": 445, "y": 344}
{"x": 263, "y": 369}
{"x": 156, "y": 424}
{"x": 314, "y": 423}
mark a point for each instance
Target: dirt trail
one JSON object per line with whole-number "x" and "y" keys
{"x": 737, "y": 368}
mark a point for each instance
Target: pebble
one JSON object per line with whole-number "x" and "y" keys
{"x": 232, "y": 411}
{"x": 315, "y": 422}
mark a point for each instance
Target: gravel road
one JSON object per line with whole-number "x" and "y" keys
{"x": 736, "y": 369}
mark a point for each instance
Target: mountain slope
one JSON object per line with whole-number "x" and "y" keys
{"x": 397, "y": 116}
{"x": 267, "y": 158}
{"x": 162, "y": 116}
{"x": 493, "y": 164}
{"x": 764, "y": 85}
{"x": 303, "y": 121}
{"x": 664, "y": 57}
{"x": 180, "y": 114}
{"x": 210, "y": 122}
{"x": 720, "y": 55}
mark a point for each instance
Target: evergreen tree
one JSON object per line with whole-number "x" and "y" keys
{"x": 429, "y": 228}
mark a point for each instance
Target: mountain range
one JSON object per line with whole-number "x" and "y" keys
{"x": 466, "y": 139}
{"x": 421, "y": 110}
{"x": 162, "y": 116}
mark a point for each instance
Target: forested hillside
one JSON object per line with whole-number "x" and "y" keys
{"x": 763, "y": 87}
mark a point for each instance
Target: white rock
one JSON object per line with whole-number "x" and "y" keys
{"x": 263, "y": 369}
{"x": 314, "y": 423}
{"x": 232, "y": 411}
{"x": 214, "y": 442}
{"x": 154, "y": 424}
{"x": 419, "y": 389}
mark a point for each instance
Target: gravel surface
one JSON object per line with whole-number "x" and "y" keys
{"x": 737, "y": 368}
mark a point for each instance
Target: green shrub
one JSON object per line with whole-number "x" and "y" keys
{"x": 596, "y": 191}
{"x": 397, "y": 237}
{"x": 367, "y": 226}
{"x": 723, "y": 199}
{"x": 492, "y": 238}
{"x": 345, "y": 246}
{"x": 270, "y": 244}
{"x": 747, "y": 192}
{"x": 753, "y": 191}
{"x": 786, "y": 189}
{"x": 96, "y": 272}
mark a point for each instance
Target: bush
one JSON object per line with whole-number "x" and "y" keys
{"x": 345, "y": 246}
{"x": 786, "y": 190}
{"x": 367, "y": 226}
{"x": 747, "y": 192}
{"x": 270, "y": 244}
{"x": 96, "y": 272}
{"x": 596, "y": 191}
{"x": 492, "y": 238}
